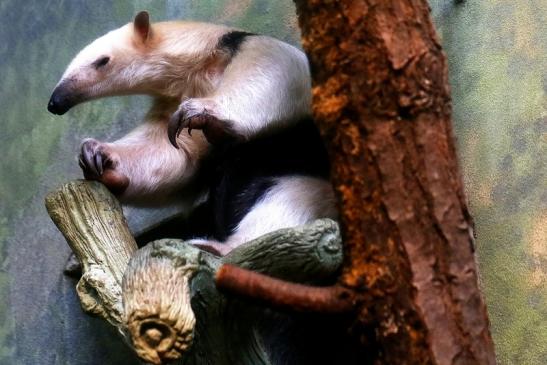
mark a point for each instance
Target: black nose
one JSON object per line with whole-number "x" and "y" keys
{"x": 58, "y": 104}
{"x": 52, "y": 106}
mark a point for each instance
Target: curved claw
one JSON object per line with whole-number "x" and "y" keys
{"x": 88, "y": 160}
{"x": 81, "y": 162}
{"x": 93, "y": 160}
{"x": 173, "y": 129}
{"x": 99, "y": 163}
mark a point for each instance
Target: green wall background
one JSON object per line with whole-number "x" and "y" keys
{"x": 498, "y": 71}
{"x": 498, "y": 62}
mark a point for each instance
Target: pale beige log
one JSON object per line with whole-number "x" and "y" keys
{"x": 165, "y": 276}
{"x": 156, "y": 297}
{"x": 171, "y": 310}
{"x": 92, "y": 221}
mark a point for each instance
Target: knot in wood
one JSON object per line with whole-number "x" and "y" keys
{"x": 153, "y": 336}
{"x": 154, "y": 340}
{"x": 155, "y": 333}
{"x": 156, "y": 297}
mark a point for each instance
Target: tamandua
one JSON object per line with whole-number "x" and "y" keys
{"x": 227, "y": 82}
{"x": 265, "y": 167}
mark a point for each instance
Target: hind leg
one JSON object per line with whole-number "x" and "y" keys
{"x": 291, "y": 202}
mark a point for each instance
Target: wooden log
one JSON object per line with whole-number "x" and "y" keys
{"x": 156, "y": 297}
{"x": 92, "y": 221}
{"x": 171, "y": 309}
{"x": 164, "y": 277}
{"x": 316, "y": 247}
{"x": 305, "y": 254}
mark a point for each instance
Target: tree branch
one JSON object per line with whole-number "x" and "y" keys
{"x": 92, "y": 221}
{"x": 283, "y": 294}
{"x": 304, "y": 254}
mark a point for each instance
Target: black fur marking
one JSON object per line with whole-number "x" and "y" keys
{"x": 240, "y": 174}
{"x": 231, "y": 41}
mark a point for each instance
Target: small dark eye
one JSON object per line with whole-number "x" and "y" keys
{"x": 101, "y": 62}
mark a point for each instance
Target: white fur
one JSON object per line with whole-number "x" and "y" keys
{"x": 291, "y": 201}
{"x": 265, "y": 85}
{"x": 155, "y": 169}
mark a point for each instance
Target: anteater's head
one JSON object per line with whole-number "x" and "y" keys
{"x": 113, "y": 64}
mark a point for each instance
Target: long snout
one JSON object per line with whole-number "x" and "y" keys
{"x": 62, "y": 99}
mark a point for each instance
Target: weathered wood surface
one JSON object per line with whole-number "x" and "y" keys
{"x": 92, "y": 221}
{"x": 382, "y": 103}
{"x": 166, "y": 276}
{"x": 163, "y": 300}
{"x": 310, "y": 253}
{"x": 156, "y": 298}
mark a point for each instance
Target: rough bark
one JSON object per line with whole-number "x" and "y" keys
{"x": 382, "y": 102}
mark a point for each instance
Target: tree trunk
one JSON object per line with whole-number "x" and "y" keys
{"x": 382, "y": 102}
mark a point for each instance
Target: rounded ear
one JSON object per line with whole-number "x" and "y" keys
{"x": 141, "y": 23}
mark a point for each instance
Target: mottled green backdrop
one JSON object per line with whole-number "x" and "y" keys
{"x": 498, "y": 65}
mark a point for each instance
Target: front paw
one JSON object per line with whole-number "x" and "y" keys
{"x": 93, "y": 159}
{"x": 98, "y": 164}
{"x": 193, "y": 115}
{"x": 184, "y": 118}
